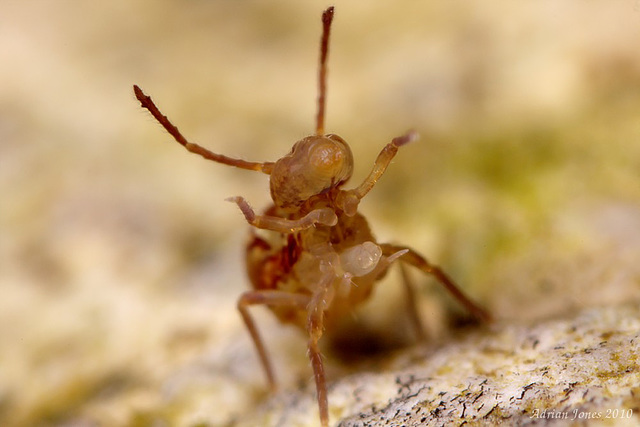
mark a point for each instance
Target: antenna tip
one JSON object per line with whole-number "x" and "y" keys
{"x": 327, "y": 15}
{"x": 408, "y": 137}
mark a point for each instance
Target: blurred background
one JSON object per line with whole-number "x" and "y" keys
{"x": 120, "y": 261}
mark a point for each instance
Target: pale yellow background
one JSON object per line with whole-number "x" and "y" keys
{"x": 120, "y": 262}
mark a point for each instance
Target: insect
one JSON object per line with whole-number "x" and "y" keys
{"x": 318, "y": 259}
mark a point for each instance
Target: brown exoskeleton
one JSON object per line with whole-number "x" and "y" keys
{"x": 321, "y": 259}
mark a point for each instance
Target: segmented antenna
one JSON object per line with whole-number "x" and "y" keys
{"x": 147, "y": 102}
{"x": 327, "y": 17}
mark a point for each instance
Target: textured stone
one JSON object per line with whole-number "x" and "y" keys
{"x": 580, "y": 367}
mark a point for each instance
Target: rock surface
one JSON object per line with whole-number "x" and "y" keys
{"x": 583, "y": 367}
{"x": 121, "y": 264}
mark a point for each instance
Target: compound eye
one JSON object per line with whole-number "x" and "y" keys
{"x": 314, "y": 165}
{"x": 331, "y": 157}
{"x": 328, "y": 160}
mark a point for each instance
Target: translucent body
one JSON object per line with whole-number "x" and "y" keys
{"x": 318, "y": 259}
{"x": 344, "y": 254}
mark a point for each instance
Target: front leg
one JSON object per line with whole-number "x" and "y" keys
{"x": 348, "y": 200}
{"x": 315, "y": 306}
{"x": 322, "y": 216}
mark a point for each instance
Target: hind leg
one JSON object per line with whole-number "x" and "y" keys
{"x": 270, "y": 298}
{"x": 412, "y": 308}
{"x": 413, "y": 258}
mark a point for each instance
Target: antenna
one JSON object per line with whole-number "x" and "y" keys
{"x": 327, "y": 17}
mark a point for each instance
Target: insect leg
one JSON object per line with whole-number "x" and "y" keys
{"x": 147, "y": 103}
{"x": 347, "y": 200}
{"x": 271, "y": 298}
{"x": 415, "y": 259}
{"x": 315, "y": 326}
{"x": 412, "y": 308}
{"x": 410, "y": 300}
{"x": 323, "y": 216}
